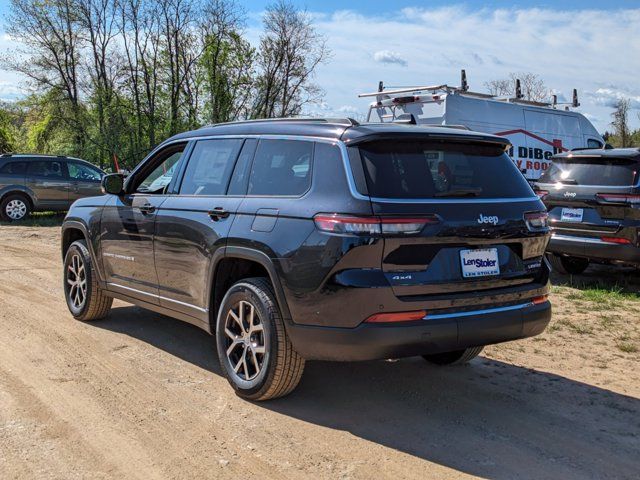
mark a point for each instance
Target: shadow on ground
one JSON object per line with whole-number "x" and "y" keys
{"x": 490, "y": 418}
{"x": 38, "y": 219}
{"x": 609, "y": 277}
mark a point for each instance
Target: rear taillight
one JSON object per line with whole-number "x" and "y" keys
{"x": 541, "y": 194}
{"x": 396, "y": 317}
{"x": 346, "y": 224}
{"x": 539, "y": 300}
{"x": 622, "y": 198}
{"x": 536, "y": 220}
{"x": 618, "y": 240}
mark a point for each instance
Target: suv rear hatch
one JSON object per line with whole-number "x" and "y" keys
{"x": 477, "y": 224}
{"x": 591, "y": 196}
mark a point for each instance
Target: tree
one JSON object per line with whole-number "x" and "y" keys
{"x": 290, "y": 52}
{"x": 112, "y": 77}
{"x": 50, "y": 58}
{"x": 532, "y": 86}
{"x": 226, "y": 63}
{"x": 97, "y": 19}
{"x": 620, "y": 123}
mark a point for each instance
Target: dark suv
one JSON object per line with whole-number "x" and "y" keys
{"x": 43, "y": 182}
{"x": 593, "y": 198}
{"x": 294, "y": 240}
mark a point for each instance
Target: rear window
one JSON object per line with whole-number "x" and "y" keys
{"x": 592, "y": 171}
{"x": 409, "y": 169}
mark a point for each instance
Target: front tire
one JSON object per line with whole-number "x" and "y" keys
{"x": 568, "y": 265}
{"x": 85, "y": 299}
{"x": 14, "y": 207}
{"x": 254, "y": 350}
{"x": 457, "y": 357}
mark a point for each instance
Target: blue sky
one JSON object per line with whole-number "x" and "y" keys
{"x": 388, "y": 6}
{"x": 569, "y": 44}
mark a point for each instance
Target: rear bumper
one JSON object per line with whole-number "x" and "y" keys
{"x": 594, "y": 249}
{"x": 434, "y": 334}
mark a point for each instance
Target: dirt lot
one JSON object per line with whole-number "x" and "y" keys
{"x": 140, "y": 396}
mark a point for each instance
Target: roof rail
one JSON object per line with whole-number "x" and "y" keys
{"x": 31, "y": 154}
{"x": 456, "y": 127}
{"x": 347, "y": 121}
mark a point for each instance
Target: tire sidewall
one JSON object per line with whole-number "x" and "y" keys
{"x": 250, "y": 293}
{"x": 574, "y": 265}
{"x": 78, "y": 248}
{"x": 5, "y": 203}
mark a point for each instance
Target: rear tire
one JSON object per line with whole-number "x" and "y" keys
{"x": 568, "y": 265}
{"x": 15, "y": 207}
{"x": 254, "y": 350}
{"x": 457, "y": 357}
{"x": 85, "y": 299}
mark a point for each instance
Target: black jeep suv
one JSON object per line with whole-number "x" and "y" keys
{"x": 293, "y": 240}
{"x": 593, "y": 198}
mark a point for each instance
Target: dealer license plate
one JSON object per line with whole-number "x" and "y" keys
{"x": 480, "y": 262}
{"x": 571, "y": 214}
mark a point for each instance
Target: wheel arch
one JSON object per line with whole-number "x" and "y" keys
{"x": 231, "y": 264}
{"x": 18, "y": 190}
{"x": 73, "y": 230}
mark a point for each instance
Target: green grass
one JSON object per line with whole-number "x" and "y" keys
{"x": 38, "y": 219}
{"x": 602, "y": 298}
{"x": 627, "y": 347}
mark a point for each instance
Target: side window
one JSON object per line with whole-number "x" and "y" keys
{"x": 46, "y": 168}
{"x": 281, "y": 167}
{"x": 80, "y": 171}
{"x": 209, "y": 168}
{"x": 592, "y": 143}
{"x": 238, "y": 183}
{"x": 14, "y": 168}
{"x": 157, "y": 181}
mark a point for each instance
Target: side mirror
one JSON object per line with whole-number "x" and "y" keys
{"x": 112, "y": 183}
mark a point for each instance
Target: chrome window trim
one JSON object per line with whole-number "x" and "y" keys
{"x": 347, "y": 167}
{"x": 484, "y": 311}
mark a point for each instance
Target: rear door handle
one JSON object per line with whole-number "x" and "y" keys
{"x": 218, "y": 213}
{"x": 147, "y": 208}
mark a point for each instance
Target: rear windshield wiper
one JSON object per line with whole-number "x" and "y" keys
{"x": 460, "y": 192}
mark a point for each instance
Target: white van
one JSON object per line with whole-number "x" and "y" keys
{"x": 536, "y": 130}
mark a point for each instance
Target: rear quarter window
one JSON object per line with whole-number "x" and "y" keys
{"x": 281, "y": 167}
{"x": 411, "y": 169}
{"x": 13, "y": 168}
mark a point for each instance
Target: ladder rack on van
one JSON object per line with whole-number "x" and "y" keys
{"x": 391, "y": 95}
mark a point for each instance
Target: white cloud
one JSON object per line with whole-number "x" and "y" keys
{"x": 387, "y": 56}
{"x": 347, "y": 109}
{"x": 588, "y": 50}
{"x": 609, "y": 96}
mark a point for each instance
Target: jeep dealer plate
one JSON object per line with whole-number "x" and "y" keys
{"x": 479, "y": 263}
{"x": 571, "y": 215}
